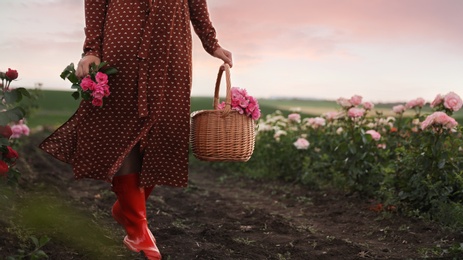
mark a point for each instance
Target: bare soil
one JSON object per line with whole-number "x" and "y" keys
{"x": 218, "y": 216}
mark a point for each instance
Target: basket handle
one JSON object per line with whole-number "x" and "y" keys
{"x": 227, "y": 109}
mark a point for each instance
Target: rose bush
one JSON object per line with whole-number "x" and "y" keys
{"x": 412, "y": 162}
{"x": 12, "y": 124}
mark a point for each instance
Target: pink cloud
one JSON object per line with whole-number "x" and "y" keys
{"x": 314, "y": 28}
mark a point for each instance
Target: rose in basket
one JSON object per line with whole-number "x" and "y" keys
{"x": 243, "y": 103}
{"x": 94, "y": 87}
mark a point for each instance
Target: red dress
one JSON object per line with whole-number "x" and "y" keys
{"x": 150, "y": 45}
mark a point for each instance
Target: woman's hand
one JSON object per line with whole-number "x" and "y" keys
{"x": 84, "y": 65}
{"x": 224, "y": 55}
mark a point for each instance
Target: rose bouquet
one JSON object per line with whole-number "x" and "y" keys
{"x": 243, "y": 103}
{"x": 93, "y": 87}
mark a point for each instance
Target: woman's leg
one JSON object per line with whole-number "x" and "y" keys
{"x": 130, "y": 207}
{"x": 132, "y": 163}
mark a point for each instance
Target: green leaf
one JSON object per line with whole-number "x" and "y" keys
{"x": 111, "y": 71}
{"x": 4, "y": 118}
{"x": 13, "y": 176}
{"x": 441, "y": 163}
{"x": 41, "y": 254}
{"x": 68, "y": 71}
{"x": 76, "y": 95}
{"x": 17, "y": 113}
{"x": 12, "y": 96}
{"x": 352, "y": 149}
{"x": 14, "y": 114}
{"x": 101, "y": 65}
{"x": 73, "y": 78}
{"x": 86, "y": 96}
{"x": 44, "y": 240}
{"x": 3, "y": 143}
{"x": 75, "y": 86}
{"x": 24, "y": 92}
{"x": 35, "y": 241}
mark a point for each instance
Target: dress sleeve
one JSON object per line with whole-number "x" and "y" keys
{"x": 95, "y": 14}
{"x": 199, "y": 16}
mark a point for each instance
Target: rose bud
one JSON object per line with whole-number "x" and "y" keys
{"x": 6, "y": 131}
{"x": 3, "y": 168}
{"x": 11, "y": 74}
{"x": 12, "y": 154}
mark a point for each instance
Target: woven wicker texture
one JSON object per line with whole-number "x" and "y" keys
{"x": 222, "y": 135}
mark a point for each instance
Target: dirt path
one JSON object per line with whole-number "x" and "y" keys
{"x": 224, "y": 217}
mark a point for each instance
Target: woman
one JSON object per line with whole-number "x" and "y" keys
{"x": 139, "y": 138}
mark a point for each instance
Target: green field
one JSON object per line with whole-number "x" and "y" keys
{"x": 55, "y": 107}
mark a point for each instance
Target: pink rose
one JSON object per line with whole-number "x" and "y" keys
{"x": 419, "y": 102}
{"x": 445, "y": 120}
{"x": 97, "y": 102}
{"x": 437, "y": 101}
{"x": 381, "y": 146}
{"x": 410, "y": 104}
{"x": 106, "y": 90}
{"x": 255, "y": 114}
{"x": 98, "y": 91}
{"x": 251, "y": 106}
{"x": 239, "y": 109}
{"x": 25, "y": 129}
{"x": 221, "y": 106}
{"x": 319, "y": 121}
{"x": 375, "y": 135}
{"x": 17, "y": 131}
{"x": 427, "y": 122}
{"x": 294, "y": 117}
{"x": 399, "y": 109}
{"x": 452, "y": 101}
{"x": 344, "y": 102}
{"x": 368, "y": 105}
{"x": 316, "y": 122}
{"x": 101, "y": 78}
{"x": 330, "y": 116}
{"x": 87, "y": 84}
{"x": 243, "y": 102}
{"x": 439, "y": 119}
{"x": 355, "y": 112}
{"x": 356, "y": 100}
{"x": 301, "y": 144}
{"x": 238, "y": 92}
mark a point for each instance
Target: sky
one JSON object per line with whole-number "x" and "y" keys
{"x": 383, "y": 50}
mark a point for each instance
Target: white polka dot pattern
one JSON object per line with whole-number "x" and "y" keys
{"x": 150, "y": 95}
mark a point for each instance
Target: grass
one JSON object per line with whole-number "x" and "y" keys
{"x": 55, "y": 107}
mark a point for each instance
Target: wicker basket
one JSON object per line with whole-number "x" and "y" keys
{"x": 222, "y": 135}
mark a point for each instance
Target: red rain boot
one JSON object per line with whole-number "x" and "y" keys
{"x": 132, "y": 204}
{"x": 117, "y": 212}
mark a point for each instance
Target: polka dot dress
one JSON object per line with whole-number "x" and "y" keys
{"x": 149, "y": 42}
